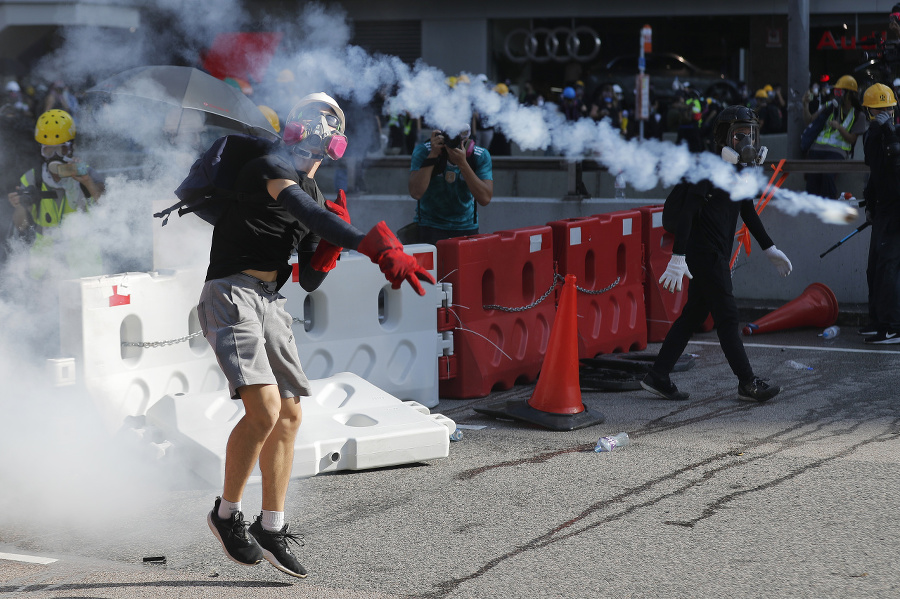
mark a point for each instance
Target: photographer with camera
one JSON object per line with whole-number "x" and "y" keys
{"x": 449, "y": 176}
{"x": 882, "y": 204}
{"x": 60, "y": 185}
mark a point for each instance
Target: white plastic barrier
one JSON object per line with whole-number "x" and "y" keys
{"x": 354, "y": 322}
{"x": 99, "y": 314}
{"x": 348, "y": 424}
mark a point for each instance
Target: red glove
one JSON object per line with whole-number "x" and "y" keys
{"x": 385, "y": 250}
{"x": 326, "y": 255}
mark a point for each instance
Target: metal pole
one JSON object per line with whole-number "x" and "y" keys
{"x": 798, "y": 73}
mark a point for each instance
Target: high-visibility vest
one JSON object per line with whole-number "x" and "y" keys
{"x": 48, "y": 212}
{"x": 84, "y": 257}
{"x": 696, "y": 110}
{"x": 832, "y": 137}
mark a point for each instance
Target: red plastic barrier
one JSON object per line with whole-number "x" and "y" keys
{"x": 599, "y": 250}
{"x": 663, "y": 307}
{"x": 494, "y": 348}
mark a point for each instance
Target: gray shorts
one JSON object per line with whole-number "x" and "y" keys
{"x": 245, "y": 322}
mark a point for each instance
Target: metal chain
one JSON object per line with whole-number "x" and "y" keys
{"x": 599, "y": 291}
{"x": 556, "y": 279}
{"x": 161, "y": 343}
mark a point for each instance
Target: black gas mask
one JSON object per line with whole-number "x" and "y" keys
{"x": 743, "y": 147}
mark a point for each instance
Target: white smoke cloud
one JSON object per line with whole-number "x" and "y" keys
{"x": 63, "y": 459}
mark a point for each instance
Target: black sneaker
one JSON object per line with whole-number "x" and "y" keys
{"x": 757, "y": 390}
{"x": 868, "y": 330}
{"x": 232, "y": 533}
{"x": 883, "y": 338}
{"x": 665, "y": 388}
{"x": 275, "y": 548}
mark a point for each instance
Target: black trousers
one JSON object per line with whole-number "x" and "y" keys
{"x": 883, "y": 270}
{"x": 710, "y": 291}
{"x": 822, "y": 184}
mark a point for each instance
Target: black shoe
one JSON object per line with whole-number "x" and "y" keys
{"x": 232, "y": 533}
{"x": 883, "y": 338}
{"x": 665, "y": 388}
{"x": 275, "y": 548}
{"x": 868, "y": 330}
{"x": 757, "y": 390}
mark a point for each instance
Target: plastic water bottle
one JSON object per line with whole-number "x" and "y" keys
{"x": 831, "y": 332}
{"x": 610, "y": 443}
{"x": 798, "y": 365}
{"x": 620, "y": 186}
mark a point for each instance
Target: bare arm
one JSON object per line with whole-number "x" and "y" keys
{"x": 19, "y": 215}
{"x": 482, "y": 191}
{"x": 419, "y": 180}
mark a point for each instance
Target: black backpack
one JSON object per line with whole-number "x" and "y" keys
{"x": 209, "y": 187}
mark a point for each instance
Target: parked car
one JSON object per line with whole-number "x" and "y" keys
{"x": 663, "y": 69}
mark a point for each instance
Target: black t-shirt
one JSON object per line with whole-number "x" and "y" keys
{"x": 709, "y": 221}
{"x": 883, "y": 187}
{"x": 258, "y": 232}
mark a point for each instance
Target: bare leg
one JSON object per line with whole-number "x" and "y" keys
{"x": 277, "y": 456}
{"x": 262, "y": 404}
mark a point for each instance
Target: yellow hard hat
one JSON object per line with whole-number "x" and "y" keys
{"x": 879, "y": 96}
{"x": 451, "y": 81}
{"x": 463, "y": 78}
{"x": 847, "y": 82}
{"x": 285, "y": 76}
{"x": 271, "y": 116}
{"x": 54, "y": 127}
{"x": 760, "y": 93}
{"x": 501, "y": 88}
{"x": 767, "y": 88}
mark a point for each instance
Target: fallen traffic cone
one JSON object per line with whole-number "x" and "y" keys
{"x": 556, "y": 400}
{"x": 815, "y": 307}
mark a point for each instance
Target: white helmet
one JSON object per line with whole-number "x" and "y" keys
{"x": 317, "y": 98}
{"x": 317, "y": 134}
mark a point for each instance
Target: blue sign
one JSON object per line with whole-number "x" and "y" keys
{"x": 642, "y": 63}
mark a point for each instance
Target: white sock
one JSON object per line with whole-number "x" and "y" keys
{"x": 227, "y": 508}
{"x": 272, "y": 521}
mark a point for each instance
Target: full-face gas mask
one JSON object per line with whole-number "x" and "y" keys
{"x": 315, "y": 128}
{"x": 737, "y": 137}
{"x": 744, "y": 149}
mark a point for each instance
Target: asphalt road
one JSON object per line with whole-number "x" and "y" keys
{"x": 714, "y": 498}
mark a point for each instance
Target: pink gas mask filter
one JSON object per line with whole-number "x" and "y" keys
{"x": 317, "y": 140}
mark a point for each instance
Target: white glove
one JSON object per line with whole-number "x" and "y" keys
{"x": 882, "y": 117}
{"x": 677, "y": 268}
{"x": 835, "y": 103}
{"x": 781, "y": 262}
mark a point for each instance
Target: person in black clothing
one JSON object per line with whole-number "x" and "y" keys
{"x": 882, "y": 204}
{"x": 701, "y": 252}
{"x": 242, "y": 314}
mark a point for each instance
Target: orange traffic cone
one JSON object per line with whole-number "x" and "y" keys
{"x": 815, "y": 307}
{"x": 556, "y": 400}
{"x": 558, "y": 390}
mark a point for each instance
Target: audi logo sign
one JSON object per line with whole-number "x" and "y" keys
{"x": 559, "y": 44}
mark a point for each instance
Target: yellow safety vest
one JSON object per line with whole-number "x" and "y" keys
{"x": 84, "y": 260}
{"x": 696, "y": 110}
{"x": 48, "y": 212}
{"x": 832, "y": 137}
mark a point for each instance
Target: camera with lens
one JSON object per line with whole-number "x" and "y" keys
{"x": 883, "y": 64}
{"x": 28, "y": 196}
{"x": 452, "y": 142}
